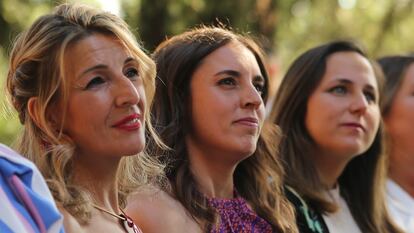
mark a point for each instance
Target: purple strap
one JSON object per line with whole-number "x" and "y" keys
{"x": 20, "y": 191}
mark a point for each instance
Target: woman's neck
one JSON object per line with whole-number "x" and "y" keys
{"x": 329, "y": 167}
{"x": 213, "y": 174}
{"x": 100, "y": 179}
{"x": 213, "y": 181}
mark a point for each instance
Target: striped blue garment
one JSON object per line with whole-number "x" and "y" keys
{"x": 26, "y": 205}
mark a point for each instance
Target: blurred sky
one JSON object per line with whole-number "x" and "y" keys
{"x": 113, "y": 6}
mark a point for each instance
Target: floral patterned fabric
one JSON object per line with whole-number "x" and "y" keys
{"x": 236, "y": 216}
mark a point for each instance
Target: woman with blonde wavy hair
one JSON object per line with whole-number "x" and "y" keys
{"x": 223, "y": 169}
{"x": 82, "y": 88}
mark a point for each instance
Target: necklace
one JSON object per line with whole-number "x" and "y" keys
{"x": 126, "y": 221}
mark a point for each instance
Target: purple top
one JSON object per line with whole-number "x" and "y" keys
{"x": 236, "y": 216}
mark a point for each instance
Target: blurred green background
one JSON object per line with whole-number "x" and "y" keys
{"x": 285, "y": 27}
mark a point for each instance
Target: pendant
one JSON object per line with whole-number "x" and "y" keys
{"x": 129, "y": 225}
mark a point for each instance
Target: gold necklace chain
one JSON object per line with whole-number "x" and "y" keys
{"x": 123, "y": 218}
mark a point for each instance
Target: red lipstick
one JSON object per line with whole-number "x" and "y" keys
{"x": 129, "y": 123}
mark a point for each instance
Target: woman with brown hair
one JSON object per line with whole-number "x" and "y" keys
{"x": 209, "y": 109}
{"x": 398, "y": 114}
{"x": 328, "y": 109}
{"x": 82, "y": 88}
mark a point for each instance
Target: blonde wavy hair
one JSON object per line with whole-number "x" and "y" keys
{"x": 36, "y": 69}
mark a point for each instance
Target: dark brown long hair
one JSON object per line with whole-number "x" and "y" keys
{"x": 363, "y": 180}
{"x": 394, "y": 68}
{"x": 258, "y": 178}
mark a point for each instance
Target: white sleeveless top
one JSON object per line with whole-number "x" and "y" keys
{"x": 340, "y": 221}
{"x": 400, "y": 206}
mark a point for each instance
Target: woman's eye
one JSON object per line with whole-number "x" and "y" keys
{"x": 95, "y": 82}
{"x": 131, "y": 73}
{"x": 339, "y": 90}
{"x": 227, "y": 81}
{"x": 259, "y": 87}
{"x": 370, "y": 96}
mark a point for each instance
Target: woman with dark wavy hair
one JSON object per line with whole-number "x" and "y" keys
{"x": 328, "y": 107}
{"x": 209, "y": 109}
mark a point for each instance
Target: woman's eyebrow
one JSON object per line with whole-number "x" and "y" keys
{"x": 228, "y": 72}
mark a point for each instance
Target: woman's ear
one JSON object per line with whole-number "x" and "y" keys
{"x": 33, "y": 110}
{"x": 35, "y": 114}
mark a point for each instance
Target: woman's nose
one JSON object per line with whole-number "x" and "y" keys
{"x": 126, "y": 93}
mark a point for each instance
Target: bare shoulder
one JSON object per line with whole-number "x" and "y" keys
{"x": 154, "y": 211}
{"x": 69, "y": 222}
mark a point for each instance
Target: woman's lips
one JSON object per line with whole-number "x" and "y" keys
{"x": 354, "y": 125}
{"x": 248, "y": 121}
{"x": 129, "y": 123}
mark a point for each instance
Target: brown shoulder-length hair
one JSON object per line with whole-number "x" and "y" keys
{"x": 258, "y": 178}
{"x": 394, "y": 68}
{"x": 363, "y": 180}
